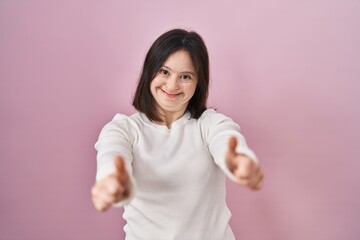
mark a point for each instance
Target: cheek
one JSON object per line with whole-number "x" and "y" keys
{"x": 152, "y": 89}
{"x": 193, "y": 89}
{"x": 153, "y": 85}
{"x": 156, "y": 82}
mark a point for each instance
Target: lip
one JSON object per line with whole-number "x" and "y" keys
{"x": 169, "y": 95}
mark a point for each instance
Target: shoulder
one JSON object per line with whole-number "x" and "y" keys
{"x": 122, "y": 123}
{"x": 212, "y": 117}
{"x": 122, "y": 119}
{"x": 212, "y": 123}
{"x": 119, "y": 120}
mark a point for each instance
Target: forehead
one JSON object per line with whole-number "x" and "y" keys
{"x": 180, "y": 61}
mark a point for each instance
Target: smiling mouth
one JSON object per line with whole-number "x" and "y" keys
{"x": 170, "y": 95}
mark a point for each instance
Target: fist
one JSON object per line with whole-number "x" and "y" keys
{"x": 112, "y": 188}
{"x": 247, "y": 172}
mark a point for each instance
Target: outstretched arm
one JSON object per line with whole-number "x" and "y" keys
{"x": 246, "y": 171}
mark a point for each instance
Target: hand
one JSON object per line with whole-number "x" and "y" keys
{"x": 112, "y": 188}
{"x": 247, "y": 172}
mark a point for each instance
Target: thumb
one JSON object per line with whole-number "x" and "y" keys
{"x": 231, "y": 153}
{"x": 232, "y": 144}
{"x": 120, "y": 168}
{"x": 122, "y": 175}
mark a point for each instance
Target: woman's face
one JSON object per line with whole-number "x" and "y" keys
{"x": 175, "y": 83}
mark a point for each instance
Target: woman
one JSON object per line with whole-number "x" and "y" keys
{"x": 167, "y": 163}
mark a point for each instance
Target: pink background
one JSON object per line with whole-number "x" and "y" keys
{"x": 287, "y": 71}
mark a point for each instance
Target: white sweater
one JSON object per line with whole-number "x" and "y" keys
{"x": 178, "y": 181}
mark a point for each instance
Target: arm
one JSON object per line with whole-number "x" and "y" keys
{"x": 114, "y": 182}
{"x": 230, "y": 151}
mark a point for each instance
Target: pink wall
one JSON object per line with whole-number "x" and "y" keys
{"x": 287, "y": 71}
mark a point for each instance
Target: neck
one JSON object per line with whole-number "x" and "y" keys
{"x": 167, "y": 118}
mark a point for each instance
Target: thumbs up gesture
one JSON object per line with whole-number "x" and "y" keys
{"x": 112, "y": 188}
{"x": 247, "y": 172}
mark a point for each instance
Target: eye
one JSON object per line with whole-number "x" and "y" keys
{"x": 164, "y": 71}
{"x": 185, "y": 77}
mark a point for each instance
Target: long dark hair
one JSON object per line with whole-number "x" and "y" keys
{"x": 160, "y": 50}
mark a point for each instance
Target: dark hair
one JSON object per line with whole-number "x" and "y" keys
{"x": 160, "y": 50}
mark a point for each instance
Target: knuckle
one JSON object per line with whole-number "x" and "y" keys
{"x": 113, "y": 189}
{"x": 94, "y": 190}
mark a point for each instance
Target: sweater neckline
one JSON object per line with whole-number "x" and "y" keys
{"x": 181, "y": 121}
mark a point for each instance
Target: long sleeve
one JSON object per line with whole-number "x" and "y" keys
{"x": 217, "y": 131}
{"x": 115, "y": 139}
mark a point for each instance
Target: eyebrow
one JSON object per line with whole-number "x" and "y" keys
{"x": 188, "y": 72}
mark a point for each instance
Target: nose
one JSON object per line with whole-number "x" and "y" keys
{"x": 172, "y": 83}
